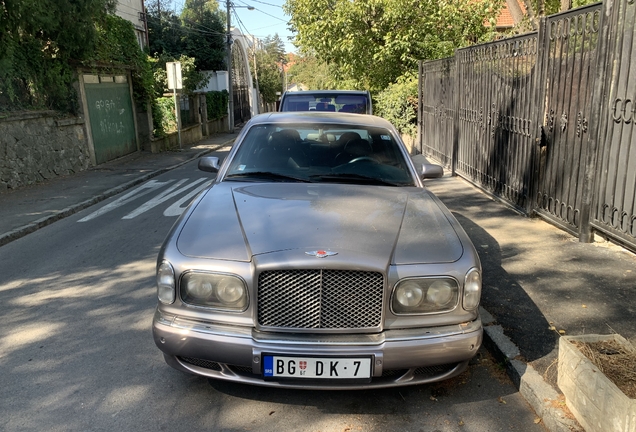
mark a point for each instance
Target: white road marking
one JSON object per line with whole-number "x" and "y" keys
{"x": 130, "y": 196}
{"x": 163, "y": 197}
{"x": 176, "y": 209}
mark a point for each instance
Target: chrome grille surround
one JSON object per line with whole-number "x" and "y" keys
{"x": 320, "y": 299}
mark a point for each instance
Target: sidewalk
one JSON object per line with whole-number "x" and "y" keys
{"x": 33, "y": 207}
{"x": 538, "y": 280}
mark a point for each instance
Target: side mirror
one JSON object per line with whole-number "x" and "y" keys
{"x": 209, "y": 164}
{"x": 431, "y": 171}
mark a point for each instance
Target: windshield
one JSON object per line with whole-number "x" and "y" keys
{"x": 320, "y": 154}
{"x": 351, "y": 103}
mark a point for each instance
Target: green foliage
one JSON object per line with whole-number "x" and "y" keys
{"x": 217, "y": 103}
{"x": 275, "y": 49}
{"x": 116, "y": 47}
{"x": 198, "y": 33}
{"x": 269, "y": 63}
{"x": 40, "y": 41}
{"x": 373, "y": 42}
{"x": 163, "y": 116}
{"x": 192, "y": 78}
{"x": 398, "y": 104}
{"x": 204, "y": 39}
{"x": 312, "y": 74}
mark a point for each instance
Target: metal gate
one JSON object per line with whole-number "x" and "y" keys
{"x": 497, "y": 120}
{"x": 241, "y": 87}
{"x": 545, "y": 121}
{"x": 613, "y": 211}
{"x": 111, "y": 116}
{"x": 437, "y": 111}
{"x": 570, "y": 42}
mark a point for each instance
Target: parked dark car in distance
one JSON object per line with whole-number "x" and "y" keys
{"x": 317, "y": 259}
{"x": 349, "y": 101}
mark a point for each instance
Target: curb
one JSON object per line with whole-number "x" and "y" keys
{"x": 539, "y": 394}
{"x": 69, "y": 211}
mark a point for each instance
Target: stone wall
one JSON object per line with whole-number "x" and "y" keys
{"x": 36, "y": 146}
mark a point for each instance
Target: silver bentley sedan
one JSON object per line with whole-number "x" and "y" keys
{"x": 317, "y": 259}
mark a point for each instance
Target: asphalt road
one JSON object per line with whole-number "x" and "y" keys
{"x": 76, "y": 349}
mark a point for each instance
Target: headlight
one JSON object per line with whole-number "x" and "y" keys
{"x": 165, "y": 283}
{"x": 214, "y": 290}
{"x": 472, "y": 289}
{"x": 425, "y": 295}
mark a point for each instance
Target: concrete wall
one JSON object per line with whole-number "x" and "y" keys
{"x": 216, "y": 81}
{"x": 216, "y": 126}
{"x": 36, "y": 146}
{"x": 189, "y": 135}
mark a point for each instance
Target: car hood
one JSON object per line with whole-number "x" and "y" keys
{"x": 237, "y": 221}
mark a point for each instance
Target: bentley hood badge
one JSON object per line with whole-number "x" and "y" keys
{"x": 321, "y": 253}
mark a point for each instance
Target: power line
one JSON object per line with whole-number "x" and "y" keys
{"x": 268, "y": 4}
{"x": 187, "y": 29}
{"x": 275, "y": 17}
{"x": 263, "y": 12}
{"x": 273, "y": 25}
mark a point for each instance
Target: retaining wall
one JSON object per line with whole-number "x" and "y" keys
{"x": 37, "y": 146}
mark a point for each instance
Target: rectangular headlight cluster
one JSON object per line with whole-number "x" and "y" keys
{"x": 424, "y": 295}
{"x": 214, "y": 290}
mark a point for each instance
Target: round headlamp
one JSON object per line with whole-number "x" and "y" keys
{"x": 214, "y": 290}
{"x": 425, "y": 295}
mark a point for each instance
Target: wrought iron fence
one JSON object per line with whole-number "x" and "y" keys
{"x": 544, "y": 120}
{"x": 570, "y": 41}
{"x": 613, "y": 204}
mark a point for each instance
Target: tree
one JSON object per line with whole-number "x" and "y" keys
{"x": 204, "y": 37}
{"x": 275, "y": 48}
{"x": 373, "y": 42}
{"x": 198, "y": 33}
{"x": 269, "y": 65}
{"x": 165, "y": 32}
{"x": 312, "y": 73}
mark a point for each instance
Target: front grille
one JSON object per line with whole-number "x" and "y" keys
{"x": 320, "y": 299}
{"x": 243, "y": 369}
{"x": 207, "y": 364}
{"x": 433, "y": 371}
{"x": 394, "y": 372}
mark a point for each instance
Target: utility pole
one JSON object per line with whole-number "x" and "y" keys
{"x": 229, "y": 69}
{"x": 258, "y": 92}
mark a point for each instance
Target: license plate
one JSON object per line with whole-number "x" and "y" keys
{"x": 316, "y": 367}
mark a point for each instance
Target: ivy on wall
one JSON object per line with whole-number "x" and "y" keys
{"x": 217, "y": 102}
{"x": 164, "y": 118}
{"x": 117, "y": 47}
{"x": 43, "y": 42}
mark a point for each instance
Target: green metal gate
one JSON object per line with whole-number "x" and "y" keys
{"x": 111, "y": 116}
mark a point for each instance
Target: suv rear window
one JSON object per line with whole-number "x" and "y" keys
{"x": 351, "y": 103}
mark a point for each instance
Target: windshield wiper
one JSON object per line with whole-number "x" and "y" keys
{"x": 352, "y": 178}
{"x": 265, "y": 175}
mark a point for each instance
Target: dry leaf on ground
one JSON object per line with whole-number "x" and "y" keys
{"x": 615, "y": 361}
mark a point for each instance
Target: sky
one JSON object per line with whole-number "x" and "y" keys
{"x": 266, "y": 19}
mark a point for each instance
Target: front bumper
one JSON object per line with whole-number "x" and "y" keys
{"x": 399, "y": 357}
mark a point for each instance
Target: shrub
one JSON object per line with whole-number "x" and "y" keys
{"x": 163, "y": 116}
{"x": 217, "y": 102}
{"x": 398, "y": 104}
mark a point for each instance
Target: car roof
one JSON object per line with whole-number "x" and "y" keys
{"x": 327, "y": 92}
{"x": 312, "y": 117}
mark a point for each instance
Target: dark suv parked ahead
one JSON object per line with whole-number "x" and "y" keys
{"x": 352, "y": 101}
